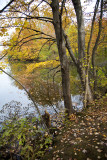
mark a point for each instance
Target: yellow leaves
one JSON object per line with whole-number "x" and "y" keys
{"x": 3, "y": 30}
{"x": 5, "y": 43}
{"x": 104, "y": 136}
{"x": 26, "y": 24}
{"x": 3, "y": 65}
{"x": 14, "y": 38}
{"x": 72, "y": 33}
{"x": 23, "y": 55}
{"x": 72, "y": 117}
{"x": 17, "y": 29}
{"x": 16, "y": 23}
{"x": 34, "y": 127}
{"x": 1, "y": 34}
{"x": 51, "y": 63}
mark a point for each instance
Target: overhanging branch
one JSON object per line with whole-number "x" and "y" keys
{"x": 6, "y": 6}
{"x": 24, "y": 89}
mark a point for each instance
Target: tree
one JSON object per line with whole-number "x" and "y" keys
{"x": 55, "y": 11}
{"x": 83, "y": 62}
{"x": 81, "y": 50}
{"x": 57, "y": 22}
{"x": 60, "y": 44}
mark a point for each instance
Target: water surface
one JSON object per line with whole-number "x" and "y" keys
{"x": 46, "y": 93}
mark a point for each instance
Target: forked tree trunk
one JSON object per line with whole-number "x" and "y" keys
{"x": 63, "y": 57}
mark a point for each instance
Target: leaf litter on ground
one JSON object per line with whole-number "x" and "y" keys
{"x": 83, "y": 137}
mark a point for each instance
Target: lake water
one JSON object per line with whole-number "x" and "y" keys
{"x": 14, "y": 100}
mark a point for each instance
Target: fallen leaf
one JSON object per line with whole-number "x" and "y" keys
{"x": 99, "y": 150}
{"x": 84, "y": 151}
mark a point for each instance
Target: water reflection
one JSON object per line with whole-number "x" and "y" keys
{"x": 38, "y": 83}
{"x": 46, "y": 93}
{"x": 9, "y": 92}
{"x": 13, "y": 109}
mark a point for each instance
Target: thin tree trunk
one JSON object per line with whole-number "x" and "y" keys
{"x": 89, "y": 43}
{"x": 95, "y": 48}
{"x": 82, "y": 70}
{"x": 63, "y": 57}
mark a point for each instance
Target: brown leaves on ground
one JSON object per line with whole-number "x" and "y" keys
{"x": 83, "y": 137}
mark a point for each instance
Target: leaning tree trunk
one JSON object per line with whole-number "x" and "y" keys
{"x": 62, "y": 55}
{"x": 82, "y": 62}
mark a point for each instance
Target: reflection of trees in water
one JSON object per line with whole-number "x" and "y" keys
{"x": 15, "y": 110}
{"x": 40, "y": 83}
{"x": 42, "y": 89}
{"x": 45, "y": 93}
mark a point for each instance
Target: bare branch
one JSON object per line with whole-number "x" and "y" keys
{"x": 26, "y": 38}
{"x": 43, "y": 45}
{"x": 6, "y": 6}
{"x": 30, "y": 2}
{"x": 11, "y": 26}
{"x": 46, "y": 19}
{"x": 54, "y": 68}
{"x": 37, "y": 6}
{"x": 41, "y": 32}
{"x": 24, "y": 89}
{"x": 49, "y": 37}
{"x": 3, "y": 55}
{"x": 37, "y": 38}
{"x": 29, "y": 95}
{"x": 47, "y": 2}
{"x": 51, "y": 45}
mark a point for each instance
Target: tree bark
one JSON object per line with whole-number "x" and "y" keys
{"x": 95, "y": 48}
{"x": 63, "y": 57}
{"x": 82, "y": 61}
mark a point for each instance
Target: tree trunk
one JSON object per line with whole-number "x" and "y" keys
{"x": 82, "y": 70}
{"x": 63, "y": 57}
{"x": 95, "y": 48}
{"x": 83, "y": 73}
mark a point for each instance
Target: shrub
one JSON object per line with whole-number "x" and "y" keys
{"x": 24, "y": 137}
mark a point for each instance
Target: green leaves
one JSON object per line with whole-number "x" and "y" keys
{"x": 48, "y": 140}
{"x": 27, "y": 135}
{"x": 34, "y": 119}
